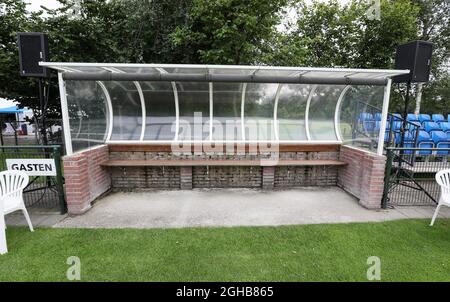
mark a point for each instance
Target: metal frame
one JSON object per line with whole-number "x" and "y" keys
{"x": 111, "y": 73}
{"x": 65, "y": 114}
{"x": 384, "y": 113}
{"x": 110, "y": 121}
{"x": 177, "y": 108}
{"x": 244, "y": 90}
{"x": 352, "y": 71}
{"x": 211, "y": 108}
{"x": 141, "y": 97}
{"x": 337, "y": 112}
{"x": 275, "y": 112}
{"x": 308, "y": 103}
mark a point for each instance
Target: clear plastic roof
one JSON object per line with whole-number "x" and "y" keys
{"x": 273, "y": 110}
{"x": 306, "y": 72}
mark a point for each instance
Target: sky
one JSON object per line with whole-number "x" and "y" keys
{"x": 34, "y": 5}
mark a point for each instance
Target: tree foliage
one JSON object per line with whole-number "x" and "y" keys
{"x": 328, "y": 34}
{"x": 228, "y": 31}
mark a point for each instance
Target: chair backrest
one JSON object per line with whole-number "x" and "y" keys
{"x": 412, "y": 117}
{"x": 377, "y": 116}
{"x": 443, "y": 179}
{"x": 13, "y": 182}
{"x": 437, "y": 118}
{"x": 441, "y": 141}
{"x": 424, "y": 118}
{"x": 396, "y": 126}
{"x": 365, "y": 116}
{"x": 431, "y": 126}
{"x": 445, "y": 126}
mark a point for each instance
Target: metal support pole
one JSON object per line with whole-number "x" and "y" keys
{"x": 59, "y": 179}
{"x": 384, "y": 115}
{"x": 404, "y": 123}
{"x": 387, "y": 177}
{"x": 65, "y": 115}
{"x": 43, "y": 129}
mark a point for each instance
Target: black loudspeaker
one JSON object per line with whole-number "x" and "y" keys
{"x": 415, "y": 56}
{"x": 33, "y": 48}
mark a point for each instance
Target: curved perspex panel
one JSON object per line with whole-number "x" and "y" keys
{"x": 88, "y": 113}
{"x": 213, "y": 106}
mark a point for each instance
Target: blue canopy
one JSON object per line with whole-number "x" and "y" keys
{"x": 12, "y": 109}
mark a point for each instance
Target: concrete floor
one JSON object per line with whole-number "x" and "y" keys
{"x": 39, "y": 218}
{"x": 234, "y": 207}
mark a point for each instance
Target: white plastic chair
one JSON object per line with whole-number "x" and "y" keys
{"x": 12, "y": 184}
{"x": 443, "y": 180}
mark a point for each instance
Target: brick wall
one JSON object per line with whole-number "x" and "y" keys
{"x": 363, "y": 177}
{"x": 85, "y": 179}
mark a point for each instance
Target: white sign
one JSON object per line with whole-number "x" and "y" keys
{"x": 33, "y": 166}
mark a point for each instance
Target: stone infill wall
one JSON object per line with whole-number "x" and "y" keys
{"x": 220, "y": 177}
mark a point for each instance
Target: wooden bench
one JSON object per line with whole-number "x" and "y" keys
{"x": 268, "y": 174}
{"x": 221, "y": 163}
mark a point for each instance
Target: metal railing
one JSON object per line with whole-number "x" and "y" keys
{"x": 44, "y": 192}
{"x": 410, "y": 175}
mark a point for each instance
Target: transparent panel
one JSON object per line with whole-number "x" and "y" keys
{"x": 321, "y": 111}
{"x": 232, "y": 71}
{"x": 88, "y": 114}
{"x": 186, "y": 70}
{"x": 326, "y": 74}
{"x": 360, "y": 116}
{"x": 276, "y": 72}
{"x": 227, "y": 111}
{"x": 160, "y": 110}
{"x": 126, "y": 103}
{"x": 258, "y": 111}
{"x": 88, "y": 69}
{"x": 291, "y": 111}
{"x": 193, "y": 100}
{"x": 149, "y": 70}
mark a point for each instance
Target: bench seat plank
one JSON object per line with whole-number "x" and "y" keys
{"x": 220, "y": 162}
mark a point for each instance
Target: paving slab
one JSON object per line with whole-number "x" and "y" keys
{"x": 234, "y": 207}
{"x": 38, "y": 217}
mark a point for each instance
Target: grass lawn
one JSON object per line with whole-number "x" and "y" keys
{"x": 409, "y": 250}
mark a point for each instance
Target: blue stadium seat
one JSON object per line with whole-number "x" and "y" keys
{"x": 396, "y": 126}
{"x": 445, "y": 126}
{"x": 440, "y": 140}
{"x": 377, "y": 125}
{"x": 408, "y": 141}
{"x": 424, "y": 118}
{"x": 411, "y": 117}
{"x": 431, "y": 126}
{"x": 397, "y": 116}
{"x": 438, "y": 118}
{"x": 412, "y": 126}
{"x": 365, "y": 116}
{"x": 369, "y": 126}
{"x": 367, "y": 121}
{"x": 377, "y": 116}
{"x": 424, "y": 141}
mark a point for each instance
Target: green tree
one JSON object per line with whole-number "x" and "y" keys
{"x": 228, "y": 31}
